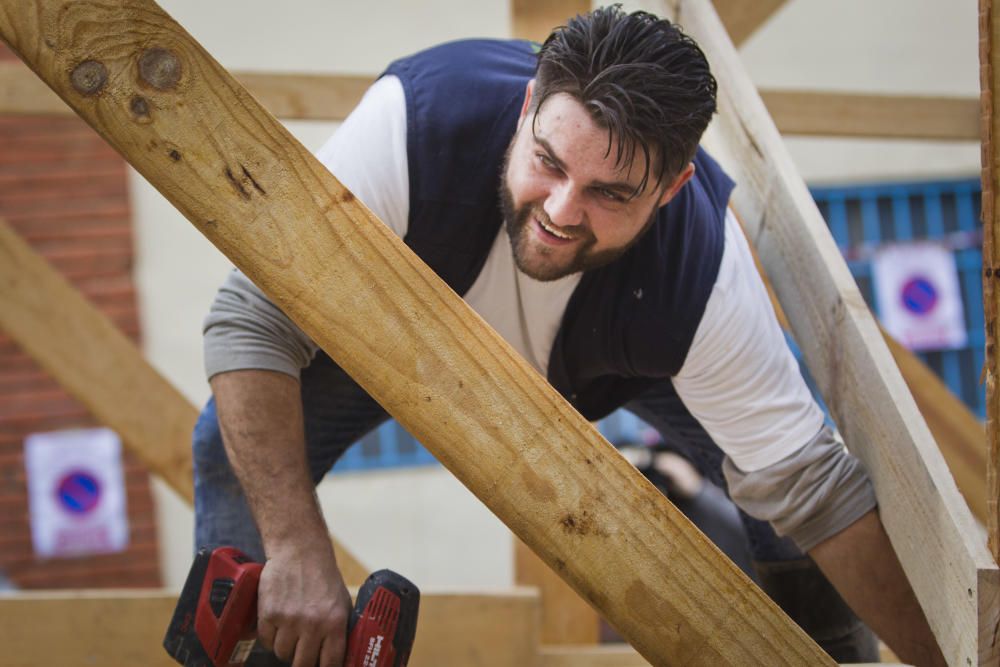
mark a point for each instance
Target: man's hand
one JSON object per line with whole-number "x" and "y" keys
{"x": 303, "y": 607}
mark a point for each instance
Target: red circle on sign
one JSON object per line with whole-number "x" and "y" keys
{"x": 78, "y": 492}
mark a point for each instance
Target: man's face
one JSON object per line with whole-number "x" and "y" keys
{"x": 567, "y": 206}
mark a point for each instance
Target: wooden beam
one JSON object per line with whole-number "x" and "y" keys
{"x": 328, "y": 97}
{"x": 95, "y": 362}
{"x": 929, "y": 524}
{"x": 84, "y": 628}
{"x": 743, "y": 18}
{"x": 306, "y": 96}
{"x": 620, "y": 655}
{"x": 90, "y": 357}
{"x": 535, "y": 19}
{"x": 874, "y": 116}
{"x": 110, "y": 627}
{"x": 606, "y": 655}
{"x": 186, "y": 125}
{"x": 989, "y": 78}
{"x": 960, "y": 436}
{"x": 566, "y": 617}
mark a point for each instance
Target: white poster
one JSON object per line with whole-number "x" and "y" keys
{"x": 918, "y": 296}
{"x": 76, "y": 492}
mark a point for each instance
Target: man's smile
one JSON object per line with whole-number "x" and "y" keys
{"x": 550, "y": 233}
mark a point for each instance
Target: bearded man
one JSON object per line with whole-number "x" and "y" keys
{"x": 563, "y": 194}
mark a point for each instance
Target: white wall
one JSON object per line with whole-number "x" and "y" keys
{"x": 423, "y": 522}
{"x": 917, "y": 47}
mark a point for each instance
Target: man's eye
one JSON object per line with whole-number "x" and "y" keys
{"x": 546, "y": 161}
{"x": 610, "y": 195}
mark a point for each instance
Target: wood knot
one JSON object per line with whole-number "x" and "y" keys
{"x": 139, "y": 106}
{"x": 89, "y": 77}
{"x": 160, "y": 68}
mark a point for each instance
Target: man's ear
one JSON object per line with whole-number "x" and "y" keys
{"x": 528, "y": 90}
{"x": 678, "y": 183}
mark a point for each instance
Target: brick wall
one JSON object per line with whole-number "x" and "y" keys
{"x": 65, "y": 191}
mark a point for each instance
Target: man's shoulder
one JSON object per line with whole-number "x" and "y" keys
{"x": 469, "y": 59}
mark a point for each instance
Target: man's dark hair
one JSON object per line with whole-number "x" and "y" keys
{"x": 638, "y": 76}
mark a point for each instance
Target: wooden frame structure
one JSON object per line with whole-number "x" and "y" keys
{"x": 743, "y": 132}
{"x": 149, "y": 89}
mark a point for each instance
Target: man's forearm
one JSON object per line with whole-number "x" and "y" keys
{"x": 302, "y": 603}
{"x": 260, "y": 416}
{"x": 860, "y": 562}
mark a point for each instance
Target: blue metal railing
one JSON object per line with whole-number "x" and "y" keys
{"x": 862, "y": 218}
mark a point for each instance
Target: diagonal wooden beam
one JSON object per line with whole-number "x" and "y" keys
{"x": 103, "y": 369}
{"x": 84, "y": 350}
{"x": 959, "y": 434}
{"x": 742, "y": 18}
{"x": 932, "y": 531}
{"x": 186, "y": 125}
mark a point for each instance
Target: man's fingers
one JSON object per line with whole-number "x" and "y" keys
{"x": 265, "y": 633}
{"x": 307, "y": 651}
{"x": 285, "y": 641}
{"x": 332, "y": 652}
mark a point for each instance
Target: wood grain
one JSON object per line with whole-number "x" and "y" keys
{"x": 186, "y": 125}
{"x": 85, "y": 628}
{"x": 88, "y": 355}
{"x": 989, "y": 79}
{"x": 605, "y": 655}
{"x": 929, "y": 524}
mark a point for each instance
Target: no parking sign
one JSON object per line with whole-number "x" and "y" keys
{"x": 76, "y": 492}
{"x": 919, "y": 301}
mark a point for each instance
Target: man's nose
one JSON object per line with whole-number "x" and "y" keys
{"x": 563, "y": 206}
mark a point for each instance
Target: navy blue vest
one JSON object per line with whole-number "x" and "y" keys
{"x": 628, "y": 324}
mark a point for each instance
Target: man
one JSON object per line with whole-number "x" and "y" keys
{"x": 605, "y": 255}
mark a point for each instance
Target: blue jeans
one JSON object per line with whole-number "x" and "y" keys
{"x": 336, "y": 412}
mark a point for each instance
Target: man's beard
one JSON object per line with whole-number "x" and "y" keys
{"x": 517, "y": 222}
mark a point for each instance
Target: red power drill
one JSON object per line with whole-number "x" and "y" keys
{"x": 215, "y": 622}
